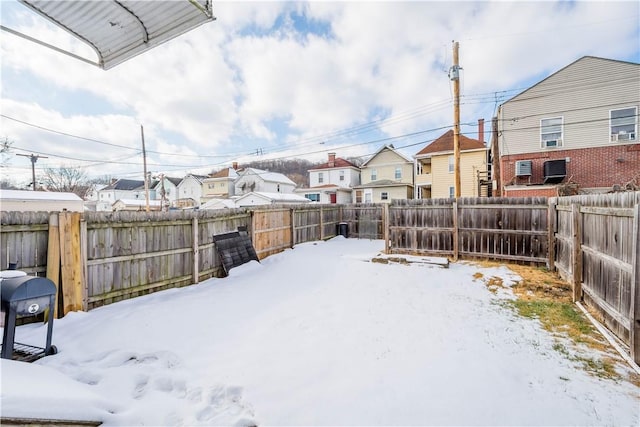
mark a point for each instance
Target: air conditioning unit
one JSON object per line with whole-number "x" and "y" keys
{"x": 524, "y": 167}
{"x": 552, "y": 143}
{"x": 631, "y": 136}
{"x": 554, "y": 171}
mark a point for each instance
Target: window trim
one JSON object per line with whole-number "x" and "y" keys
{"x": 544, "y": 143}
{"x": 398, "y": 172}
{"x": 635, "y": 129}
{"x": 320, "y": 178}
{"x": 374, "y": 174}
{"x": 384, "y": 195}
{"x": 452, "y": 164}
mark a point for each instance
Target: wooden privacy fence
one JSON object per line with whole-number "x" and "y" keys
{"x": 100, "y": 258}
{"x": 598, "y": 250}
{"x": 514, "y": 229}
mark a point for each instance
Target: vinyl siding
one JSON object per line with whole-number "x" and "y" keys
{"x": 582, "y": 94}
{"x": 470, "y": 163}
{"x": 386, "y": 169}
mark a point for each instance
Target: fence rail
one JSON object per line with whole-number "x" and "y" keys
{"x": 100, "y": 258}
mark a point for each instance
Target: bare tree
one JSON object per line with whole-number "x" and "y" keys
{"x": 5, "y": 149}
{"x": 66, "y": 179}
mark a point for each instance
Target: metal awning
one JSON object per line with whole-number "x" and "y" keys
{"x": 120, "y": 29}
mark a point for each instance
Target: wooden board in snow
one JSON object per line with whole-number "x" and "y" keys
{"x": 411, "y": 259}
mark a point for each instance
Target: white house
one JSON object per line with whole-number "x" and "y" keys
{"x": 257, "y": 180}
{"x": 166, "y": 189}
{"x": 331, "y": 182}
{"x": 256, "y": 198}
{"x": 39, "y": 201}
{"x": 189, "y": 191}
{"x": 121, "y": 189}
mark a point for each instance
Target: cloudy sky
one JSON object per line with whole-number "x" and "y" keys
{"x": 288, "y": 79}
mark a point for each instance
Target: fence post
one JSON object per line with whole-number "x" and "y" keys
{"x": 84, "y": 251}
{"x": 71, "y": 260}
{"x": 196, "y": 251}
{"x": 293, "y": 227}
{"x": 385, "y": 228}
{"x": 321, "y": 223}
{"x": 577, "y": 252}
{"x": 551, "y": 224}
{"x": 53, "y": 257}
{"x": 634, "y": 327}
{"x": 455, "y": 230}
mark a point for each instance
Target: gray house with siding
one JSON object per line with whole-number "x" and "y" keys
{"x": 575, "y": 131}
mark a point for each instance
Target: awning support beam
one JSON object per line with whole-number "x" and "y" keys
{"x": 50, "y": 46}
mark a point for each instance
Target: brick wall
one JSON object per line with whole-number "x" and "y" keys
{"x": 589, "y": 168}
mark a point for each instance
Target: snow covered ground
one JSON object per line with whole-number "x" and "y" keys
{"x": 316, "y": 335}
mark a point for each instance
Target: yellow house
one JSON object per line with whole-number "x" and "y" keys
{"x": 435, "y": 168}
{"x": 386, "y": 175}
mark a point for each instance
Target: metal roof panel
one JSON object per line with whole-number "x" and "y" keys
{"x": 120, "y": 30}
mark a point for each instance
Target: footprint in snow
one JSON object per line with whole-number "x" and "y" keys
{"x": 225, "y": 405}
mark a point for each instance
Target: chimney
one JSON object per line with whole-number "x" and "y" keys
{"x": 332, "y": 160}
{"x": 234, "y": 165}
{"x": 481, "y": 130}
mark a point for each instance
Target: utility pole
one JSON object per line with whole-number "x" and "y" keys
{"x": 144, "y": 161}
{"x": 495, "y": 156}
{"x": 454, "y": 75}
{"x": 34, "y": 158}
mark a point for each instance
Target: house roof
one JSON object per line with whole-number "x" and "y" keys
{"x": 338, "y": 163}
{"x": 120, "y": 30}
{"x": 445, "y": 143}
{"x": 584, "y": 58}
{"x": 125, "y": 184}
{"x": 174, "y": 181}
{"x": 219, "y": 203}
{"x": 38, "y": 195}
{"x": 138, "y": 202}
{"x": 225, "y": 173}
{"x": 275, "y": 197}
{"x": 268, "y": 176}
{"x": 387, "y": 147}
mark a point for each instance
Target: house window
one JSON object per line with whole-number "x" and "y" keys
{"x": 384, "y": 196}
{"x": 374, "y": 174}
{"x": 320, "y": 177}
{"x": 398, "y": 173}
{"x": 551, "y": 132}
{"x": 358, "y": 196}
{"x": 367, "y": 196}
{"x": 278, "y": 188}
{"x": 451, "y": 164}
{"x": 623, "y": 124}
{"x": 341, "y": 175}
{"x": 314, "y": 197}
{"x": 452, "y": 192}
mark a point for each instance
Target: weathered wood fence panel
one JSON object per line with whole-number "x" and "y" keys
{"x": 134, "y": 253}
{"x": 497, "y": 228}
{"x": 597, "y": 250}
{"x": 421, "y": 226}
{"x": 23, "y": 241}
{"x": 365, "y": 220}
{"x": 271, "y": 230}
